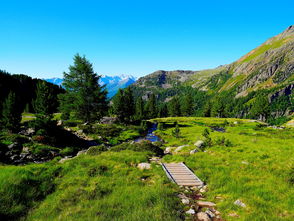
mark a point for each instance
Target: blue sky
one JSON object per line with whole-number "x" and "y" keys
{"x": 39, "y": 38}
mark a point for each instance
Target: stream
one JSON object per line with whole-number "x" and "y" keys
{"x": 150, "y": 135}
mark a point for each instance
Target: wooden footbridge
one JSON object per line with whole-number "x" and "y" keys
{"x": 181, "y": 174}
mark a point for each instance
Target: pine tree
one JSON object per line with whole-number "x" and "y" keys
{"x": 174, "y": 107}
{"x": 187, "y": 106}
{"x": 151, "y": 108}
{"x": 139, "y": 113}
{"x": 260, "y": 108}
{"x": 84, "y": 96}
{"x": 163, "y": 111}
{"x": 207, "y": 110}
{"x": 11, "y": 113}
{"x": 43, "y": 106}
{"x": 44, "y": 99}
{"x": 124, "y": 106}
{"x": 218, "y": 108}
{"x": 129, "y": 105}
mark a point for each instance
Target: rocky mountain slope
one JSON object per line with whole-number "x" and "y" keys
{"x": 269, "y": 68}
{"x": 113, "y": 83}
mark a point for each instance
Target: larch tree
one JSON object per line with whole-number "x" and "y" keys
{"x": 84, "y": 96}
{"x": 11, "y": 113}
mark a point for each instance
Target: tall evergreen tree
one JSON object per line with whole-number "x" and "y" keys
{"x": 84, "y": 96}
{"x": 11, "y": 113}
{"x": 260, "y": 108}
{"x": 129, "y": 104}
{"x": 174, "y": 107}
{"x": 163, "y": 111}
{"x": 43, "y": 106}
{"x": 187, "y": 105}
{"x": 119, "y": 105}
{"x": 139, "y": 114}
{"x": 218, "y": 107}
{"x": 151, "y": 108}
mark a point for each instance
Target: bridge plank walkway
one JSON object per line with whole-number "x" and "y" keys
{"x": 181, "y": 174}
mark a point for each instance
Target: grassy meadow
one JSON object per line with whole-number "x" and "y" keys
{"x": 257, "y": 165}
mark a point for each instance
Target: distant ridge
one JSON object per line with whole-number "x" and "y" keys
{"x": 113, "y": 83}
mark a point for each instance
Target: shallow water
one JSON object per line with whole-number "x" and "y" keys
{"x": 150, "y": 135}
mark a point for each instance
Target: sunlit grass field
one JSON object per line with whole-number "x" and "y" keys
{"x": 258, "y": 168}
{"x": 106, "y": 186}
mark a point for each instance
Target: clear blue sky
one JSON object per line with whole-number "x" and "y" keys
{"x": 39, "y": 38}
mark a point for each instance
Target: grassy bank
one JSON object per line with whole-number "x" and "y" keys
{"x": 96, "y": 186}
{"x": 257, "y": 167}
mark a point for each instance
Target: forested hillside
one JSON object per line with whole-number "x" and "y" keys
{"x": 25, "y": 88}
{"x": 259, "y": 85}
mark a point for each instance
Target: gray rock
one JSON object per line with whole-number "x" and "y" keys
{"x": 190, "y": 211}
{"x": 144, "y": 166}
{"x": 199, "y": 143}
{"x": 240, "y": 203}
{"x": 194, "y": 151}
{"x": 210, "y": 213}
{"x": 180, "y": 148}
{"x": 185, "y": 201}
{"x": 81, "y": 152}
{"x": 15, "y": 147}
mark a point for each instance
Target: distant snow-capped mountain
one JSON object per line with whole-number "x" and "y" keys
{"x": 113, "y": 83}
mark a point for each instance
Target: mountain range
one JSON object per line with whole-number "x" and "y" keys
{"x": 113, "y": 83}
{"x": 267, "y": 70}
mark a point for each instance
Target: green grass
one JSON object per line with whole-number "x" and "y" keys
{"x": 263, "y": 48}
{"x": 100, "y": 186}
{"x": 258, "y": 168}
{"x": 109, "y": 187}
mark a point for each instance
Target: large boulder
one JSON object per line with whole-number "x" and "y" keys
{"x": 199, "y": 143}
{"x": 144, "y": 166}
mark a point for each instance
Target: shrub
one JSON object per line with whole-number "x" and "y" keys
{"x": 143, "y": 146}
{"x": 67, "y": 151}
{"x": 223, "y": 142}
{"x": 176, "y": 132}
{"x": 96, "y": 150}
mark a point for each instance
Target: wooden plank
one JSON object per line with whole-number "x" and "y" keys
{"x": 181, "y": 174}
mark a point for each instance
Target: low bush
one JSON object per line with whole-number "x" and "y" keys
{"x": 96, "y": 150}
{"x": 143, "y": 146}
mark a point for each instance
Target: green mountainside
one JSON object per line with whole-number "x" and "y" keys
{"x": 267, "y": 71}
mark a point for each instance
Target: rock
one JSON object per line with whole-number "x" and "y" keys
{"x": 206, "y": 204}
{"x": 144, "y": 166}
{"x": 81, "y": 152}
{"x": 194, "y": 151}
{"x": 15, "y": 147}
{"x": 236, "y": 122}
{"x": 190, "y": 211}
{"x": 210, "y": 213}
{"x": 233, "y": 214}
{"x": 27, "y": 132}
{"x": 199, "y": 143}
{"x": 180, "y": 148}
{"x": 64, "y": 159}
{"x": 240, "y": 203}
{"x": 25, "y": 150}
{"x": 201, "y": 216}
{"x": 167, "y": 150}
{"x": 59, "y": 123}
{"x": 203, "y": 189}
{"x": 185, "y": 201}
{"x": 245, "y": 162}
